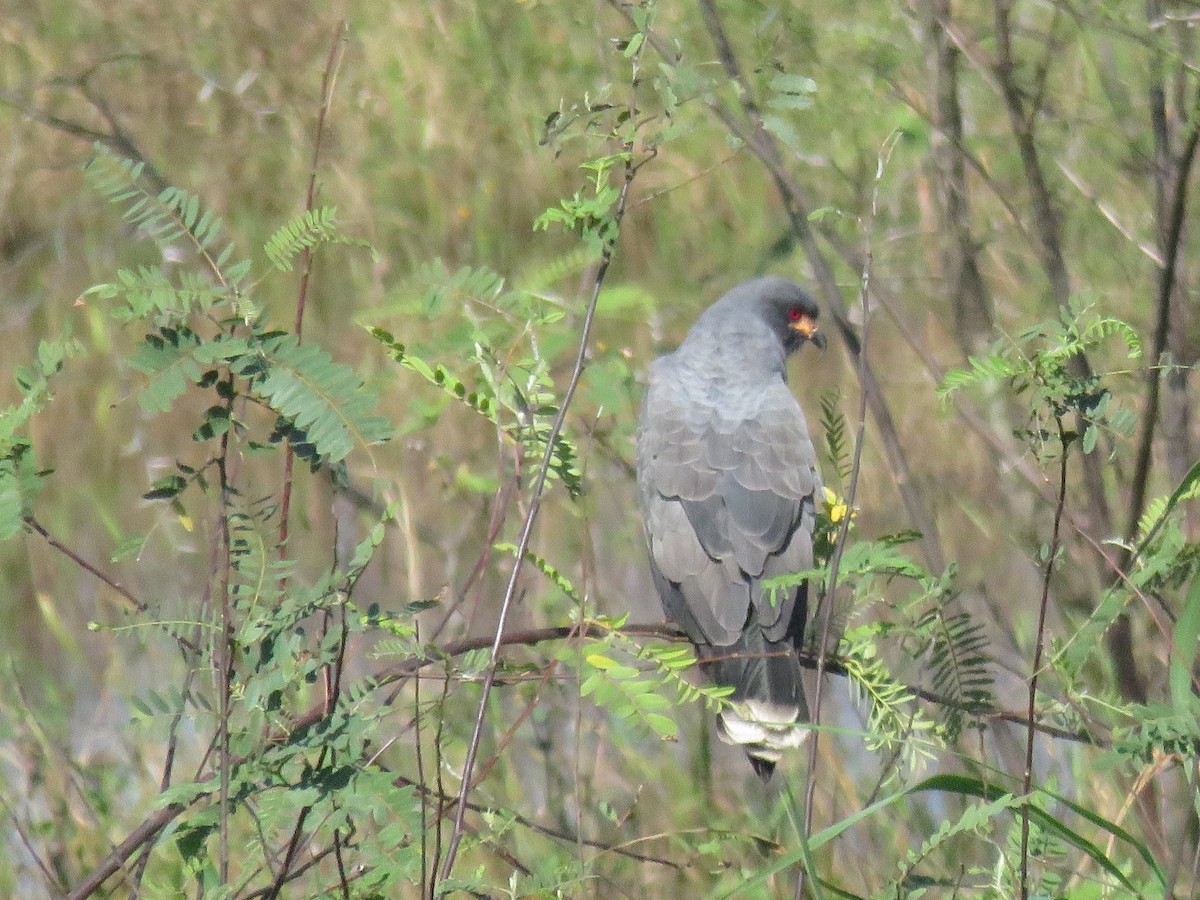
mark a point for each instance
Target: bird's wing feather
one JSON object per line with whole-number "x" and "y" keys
{"x": 708, "y": 597}
{"x": 724, "y": 498}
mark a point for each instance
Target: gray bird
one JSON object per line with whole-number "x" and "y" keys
{"x": 727, "y": 476}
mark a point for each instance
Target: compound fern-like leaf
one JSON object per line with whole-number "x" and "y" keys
{"x": 324, "y": 399}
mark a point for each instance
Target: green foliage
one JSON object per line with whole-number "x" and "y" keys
{"x": 591, "y": 214}
{"x": 1045, "y": 362}
{"x": 1163, "y": 560}
{"x": 959, "y": 658}
{"x": 788, "y": 94}
{"x": 837, "y": 443}
{"x": 522, "y": 411}
{"x": 169, "y": 218}
{"x": 1159, "y": 510}
{"x": 309, "y": 229}
{"x": 324, "y": 400}
{"x": 897, "y": 727}
{"x": 19, "y": 479}
{"x": 559, "y": 580}
{"x": 951, "y": 646}
{"x": 637, "y": 694}
{"x": 976, "y": 819}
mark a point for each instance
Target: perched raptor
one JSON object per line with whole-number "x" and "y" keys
{"x": 727, "y": 476}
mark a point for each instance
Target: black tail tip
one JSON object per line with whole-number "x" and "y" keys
{"x": 763, "y": 768}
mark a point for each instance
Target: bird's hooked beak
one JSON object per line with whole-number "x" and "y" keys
{"x": 807, "y": 326}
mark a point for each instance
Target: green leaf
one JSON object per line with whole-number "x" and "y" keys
{"x": 782, "y": 129}
{"x": 663, "y": 726}
{"x": 997, "y": 801}
{"x": 12, "y": 504}
{"x": 1187, "y": 632}
{"x": 166, "y": 488}
{"x": 1090, "y": 435}
{"x": 325, "y": 400}
{"x": 167, "y": 357}
{"x": 317, "y": 226}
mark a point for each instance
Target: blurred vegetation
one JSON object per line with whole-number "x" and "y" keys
{"x": 294, "y": 296}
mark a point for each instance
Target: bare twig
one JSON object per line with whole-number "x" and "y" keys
{"x": 70, "y": 554}
{"x": 966, "y": 290}
{"x": 1111, "y": 216}
{"x": 327, "y": 82}
{"x": 852, "y": 492}
{"x": 51, "y": 883}
{"x": 539, "y": 486}
{"x": 426, "y": 887}
{"x": 117, "y": 138}
{"x": 1039, "y": 641}
{"x": 224, "y": 644}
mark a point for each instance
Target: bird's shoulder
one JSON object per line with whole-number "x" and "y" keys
{"x": 694, "y": 431}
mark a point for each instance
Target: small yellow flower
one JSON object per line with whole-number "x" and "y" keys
{"x": 836, "y": 507}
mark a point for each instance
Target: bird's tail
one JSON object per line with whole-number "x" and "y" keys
{"x": 768, "y": 708}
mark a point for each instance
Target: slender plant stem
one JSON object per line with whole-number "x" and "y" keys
{"x": 538, "y": 488}
{"x": 426, "y": 887}
{"x": 70, "y": 554}
{"x": 224, "y": 655}
{"x": 844, "y": 531}
{"x": 328, "y": 77}
{"x": 1039, "y": 642}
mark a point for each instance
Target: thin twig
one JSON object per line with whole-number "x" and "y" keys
{"x": 52, "y": 885}
{"x": 426, "y": 887}
{"x": 224, "y": 643}
{"x": 535, "y": 497}
{"x": 327, "y": 82}
{"x": 70, "y": 554}
{"x": 1039, "y": 641}
{"x": 117, "y": 139}
{"x": 855, "y": 470}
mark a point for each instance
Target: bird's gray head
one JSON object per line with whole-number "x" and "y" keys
{"x": 788, "y": 312}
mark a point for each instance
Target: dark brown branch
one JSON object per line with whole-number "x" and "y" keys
{"x": 1039, "y": 639}
{"x": 116, "y": 139}
{"x": 70, "y": 554}
{"x": 969, "y": 297}
{"x": 142, "y": 836}
{"x": 1177, "y": 177}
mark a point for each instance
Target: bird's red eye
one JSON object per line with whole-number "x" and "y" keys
{"x": 794, "y": 314}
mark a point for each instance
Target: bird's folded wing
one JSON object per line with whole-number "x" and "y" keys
{"x": 728, "y": 502}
